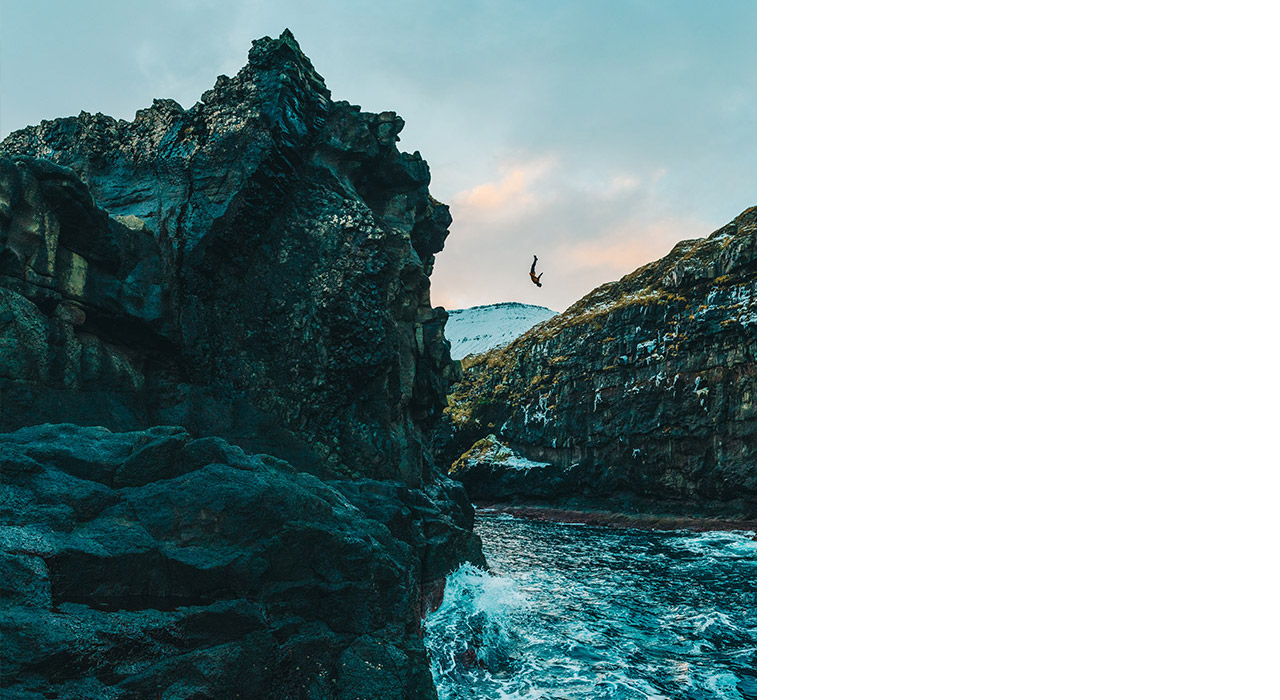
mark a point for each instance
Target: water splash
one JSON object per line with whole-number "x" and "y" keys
{"x": 589, "y": 613}
{"x": 476, "y": 623}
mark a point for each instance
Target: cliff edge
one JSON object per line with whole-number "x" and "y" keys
{"x": 248, "y": 276}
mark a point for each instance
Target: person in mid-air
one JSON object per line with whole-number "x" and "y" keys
{"x": 537, "y": 279}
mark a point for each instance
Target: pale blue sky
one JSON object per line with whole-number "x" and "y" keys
{"x": 593, "y": 133}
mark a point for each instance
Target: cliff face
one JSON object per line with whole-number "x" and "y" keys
{"x": 268, "y": 247}
{"x": 254, "y": 268}
{"x": 153, "y": 564}
{"x": 640, "y": 395}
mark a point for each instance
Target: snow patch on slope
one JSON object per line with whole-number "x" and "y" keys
{"x": 480, "y": 328}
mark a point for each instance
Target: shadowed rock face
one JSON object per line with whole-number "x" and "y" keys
{"x": 253, "y": 269}
{"x": 267, "y": 249}
{"x": 139, "y": 564}
{"x": 642, "y": 395}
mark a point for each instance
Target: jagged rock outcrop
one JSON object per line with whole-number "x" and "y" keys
{"x": 254, "y": 268}
{"x": 642, "y": 395}
{"x": 154, "y": 564}
{"x": 268, "y": 247}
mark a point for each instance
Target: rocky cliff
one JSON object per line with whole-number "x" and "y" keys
{"x": 154, "y": 564}
{"x": 268, "y": 242}
{"x": 254, "y": 268}
{"x": 640, "y": 396}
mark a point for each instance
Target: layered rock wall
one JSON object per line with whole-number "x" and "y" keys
{"x": 642, "y": 395}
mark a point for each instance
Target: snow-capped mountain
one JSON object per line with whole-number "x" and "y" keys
{"x": 479, "y": 328}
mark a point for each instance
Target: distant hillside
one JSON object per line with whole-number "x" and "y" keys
{"x": 642, "y": 395}
{"x": 480, "y": 328}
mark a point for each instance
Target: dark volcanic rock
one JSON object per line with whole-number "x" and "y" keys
{"x": 255, "y": 269}
{"x": 491, "y": 472}
{"x": 154, "y": 564}
{"x": 264, "y": 278}
{"x": 642, "y": 395}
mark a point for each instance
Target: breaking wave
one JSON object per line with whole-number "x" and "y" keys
{"x": 593, "y": 613}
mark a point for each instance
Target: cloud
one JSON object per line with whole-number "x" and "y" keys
{"x": 495, "y": 195}
{"x": 626, "y": 247}
{"x": 510, "y": 194}
{"x": 622, "y": 184}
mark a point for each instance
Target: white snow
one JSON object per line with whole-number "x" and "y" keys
{"x": 480, "y": 328}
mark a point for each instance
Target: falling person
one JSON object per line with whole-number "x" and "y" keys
{"x": 537, "y": 279}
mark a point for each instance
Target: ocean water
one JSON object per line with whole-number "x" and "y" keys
{"x": 579, "y": 612}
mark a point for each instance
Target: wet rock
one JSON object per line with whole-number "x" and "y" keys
{"x": 492, "y": 472}
{"x": 641, "y": 396}
{"x": 143, "y": 563}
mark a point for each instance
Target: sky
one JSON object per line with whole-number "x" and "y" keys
{"x": 593, "y": 134}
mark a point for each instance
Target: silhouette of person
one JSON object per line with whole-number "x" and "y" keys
{"x": 537, "y": 279}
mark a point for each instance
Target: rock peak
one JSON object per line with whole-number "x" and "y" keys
{"x": 285, "y": 47}
{"x": 282, "y": 60}
{"x": 313, "y": 210}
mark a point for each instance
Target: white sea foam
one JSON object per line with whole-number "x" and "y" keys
{"x": 600, "y": 614}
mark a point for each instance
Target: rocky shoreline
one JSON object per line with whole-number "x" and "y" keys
{"x": 219, "y": 363}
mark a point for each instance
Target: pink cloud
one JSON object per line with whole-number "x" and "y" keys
{"x": 628, "y": 247}
{"x": 493, "y": 195}
{"x": 510, "y": 193}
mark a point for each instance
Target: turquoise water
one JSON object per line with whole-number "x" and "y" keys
{"x": 578, "y": 612}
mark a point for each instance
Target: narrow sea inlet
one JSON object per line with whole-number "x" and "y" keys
{"x": 581, "y": 612}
